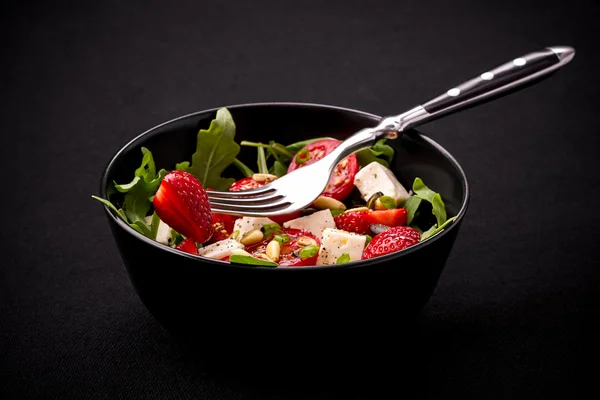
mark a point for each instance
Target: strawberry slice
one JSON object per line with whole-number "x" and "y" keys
{"x": 188, "y": 245}
{"x": 181, "y": 203}
{"x": 360, "y": 221}
{"x": 391, "y": 240}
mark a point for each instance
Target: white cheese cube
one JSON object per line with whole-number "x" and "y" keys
{"x": 247, "y": 224}
{"x": 163, "y": 233}
{"x": 336, "y": 242}
{"x": 221, "y": 249}
{"x": 375, "y": 178}
{"x": 313, "y": 223}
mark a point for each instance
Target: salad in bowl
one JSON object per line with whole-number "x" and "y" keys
{"x": 364, "y": 212}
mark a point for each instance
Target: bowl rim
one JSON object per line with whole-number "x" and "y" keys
{"x": 224, "y": 264}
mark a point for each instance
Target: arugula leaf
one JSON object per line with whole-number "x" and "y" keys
{"x": 379, "y": 152}
{"x": 247, "y": 172}
{"x": 111, "y": 206}
{"x": 434, "y": 230}
{"x": 154, "y": 223}
{"x": 411, "y": 204}
{"x": 438, "y": 206}
{"x": 182, "y": 166}
{"x": 278, "y": 169}
{"x": 261, "y": 161}
{"x": 216, "y": 149}
{"x": 249, "y": 260}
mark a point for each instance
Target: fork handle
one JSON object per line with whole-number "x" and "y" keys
{"x": 503, "y": 79}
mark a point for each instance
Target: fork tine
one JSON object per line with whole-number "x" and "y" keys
{"x": 272, "y": 207}
{"x": 247, "y": 200}
{"x": 213, "y": 194}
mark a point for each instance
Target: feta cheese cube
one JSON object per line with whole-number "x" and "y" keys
{"x": 247, "y": 224}
{"x": 336, "y": 242}
{"x": 375, "y": 178}
{"x": 221, "y": 249}
{"x": 313, "y": 223}
{"x": 163, "y": 233}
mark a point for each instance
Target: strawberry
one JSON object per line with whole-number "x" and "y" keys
{"x": 181, "y": 203}
{"x": 359, "y": 221}
{"x": 391, "y": 240}
{"x": 188, "y": 245}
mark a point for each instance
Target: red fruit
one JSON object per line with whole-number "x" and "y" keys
{"x": 249, "y": 183}
{"x": 392, "y": 217}
{"x": 341, "y": 182}
{"x": 188, "y": 245}
{"x": 223, "y": 224}
{"x": 359, "y": 221}
{"x": 394, "y": 239}
{"x": 181, "y": 203}
{"x": 290, "y": 251}
{"x": 354, "y": 221}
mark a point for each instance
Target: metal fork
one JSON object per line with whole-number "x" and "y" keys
{"x": 301, "y": 187}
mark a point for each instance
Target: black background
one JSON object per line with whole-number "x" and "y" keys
{"x": 515, "y": 312}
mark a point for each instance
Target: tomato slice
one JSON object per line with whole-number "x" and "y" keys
{"x": 290, "y": 251}
{"x": 249, "y": 183}
{"x": 223, "y": 224}
{"x": 341, "y": 182}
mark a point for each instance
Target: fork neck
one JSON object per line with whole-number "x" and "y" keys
{"x": 387, "y": 128}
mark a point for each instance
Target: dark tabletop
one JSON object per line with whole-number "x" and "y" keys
{"x": 515, "y": 313}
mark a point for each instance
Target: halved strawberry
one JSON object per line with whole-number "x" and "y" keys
{"x": 181, "y": 203}
{"x": 360, "y": 221}
{"x": 188, "y": 245}
{"x": 391, "y": 240}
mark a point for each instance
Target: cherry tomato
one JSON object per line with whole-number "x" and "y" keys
{"x": 290, "y": 251}
{"x": 249, "y": 183}
{"x": 223, "y": 224}
{"x": 341, "y": 182}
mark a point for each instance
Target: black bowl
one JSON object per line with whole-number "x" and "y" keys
{"x": 220, "y": 303}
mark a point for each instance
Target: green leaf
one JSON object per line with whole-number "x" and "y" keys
{"x": 308, "y": 251}
{"x": 215, "y": 150}
{"x": 344, "y": 258}
{"x": 182, "y": 166}
{"x": 369, "y": 238}
{"x": 154, "y": 225}
{"x": 336, "y": 212}
{"x": 434, "y": 230}
{"x": 261, "y": 161}
{"x": 248, "y": 260}
{"x": 438, "y": 206}
{"x": 439, "y": 209}
{"x": 380, "y": 152}
{"x": 411, "y": 204}
{"x": 423, "y": 191}
{"x": 278, "y": 169}
{"x": 111, "y": 207}
{"x": 270, "y": 229}
{"x": 428, "y": 232}
{"x": 176, "y": 237}
{"x": 243, "y": 168}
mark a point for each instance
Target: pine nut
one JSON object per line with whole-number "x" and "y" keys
{"x": 306, "y": 241}
{"x": 252, "y": 237}
{"x": 264, "y": 177}
{"x": 273, "y": 250}
{"x": 357, "y": 209}
{"x": 324, "y": 202}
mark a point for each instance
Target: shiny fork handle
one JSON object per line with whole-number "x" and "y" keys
{"x": 504, "y": 79}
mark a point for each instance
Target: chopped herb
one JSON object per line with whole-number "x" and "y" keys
{"x": 344, "y": 258}
{"x": 249, "y": 260}
{"x": 309, "y": 251}
{"x": 302, "y": 156}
